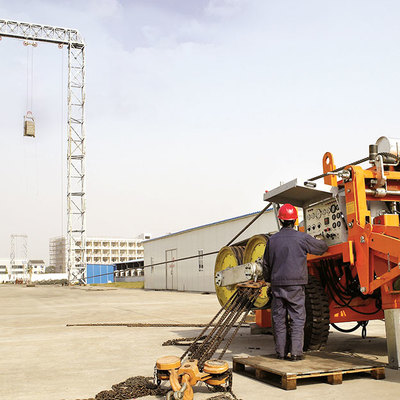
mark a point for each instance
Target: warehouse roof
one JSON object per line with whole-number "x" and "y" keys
{"x": 205, "y": 226}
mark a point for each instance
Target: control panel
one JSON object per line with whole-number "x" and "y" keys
{"x": 326, "y": 219}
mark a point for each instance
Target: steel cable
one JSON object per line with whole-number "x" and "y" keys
{"x": 223, "y": 330}
{"x": 225, "y": 307}
{"x": 244, "y": 302}
{"x": 385, "y": 154}
{"x": 241, "y": 322}
{"x": 214, "y": 334}
{"x": 197, "y": 255}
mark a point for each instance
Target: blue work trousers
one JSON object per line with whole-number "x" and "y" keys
{"x": 288, "y": 300}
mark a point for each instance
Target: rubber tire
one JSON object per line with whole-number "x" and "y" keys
{"x": 316, "y": 329}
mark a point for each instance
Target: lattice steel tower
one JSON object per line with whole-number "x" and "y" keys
{"x": 19, "y": 251}
{"x": 76, "y": 150}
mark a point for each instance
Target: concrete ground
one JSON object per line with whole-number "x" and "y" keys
{"x": 43, "y": 359}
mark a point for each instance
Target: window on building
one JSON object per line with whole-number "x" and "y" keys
{"x": 201, "y": 265}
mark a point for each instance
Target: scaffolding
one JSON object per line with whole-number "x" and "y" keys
{"x": 76, "y": 149}
{"x": 58, "y": 253}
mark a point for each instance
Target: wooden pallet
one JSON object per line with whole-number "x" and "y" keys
{"x": 316, "y": 364}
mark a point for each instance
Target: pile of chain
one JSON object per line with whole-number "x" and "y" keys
{"x": 138, "y": 386}
{"x": 182, "y": 341}
{"x": 225, "y": 396}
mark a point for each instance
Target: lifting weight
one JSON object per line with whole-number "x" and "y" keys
{"x": 29, "y": 125}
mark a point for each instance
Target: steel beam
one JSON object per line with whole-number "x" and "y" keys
{"x": 40, "y": 33}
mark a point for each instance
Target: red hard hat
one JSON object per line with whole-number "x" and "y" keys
{"x": 287, "y": 213}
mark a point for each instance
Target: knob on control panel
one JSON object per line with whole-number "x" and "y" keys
{"x": 325, "y": 218}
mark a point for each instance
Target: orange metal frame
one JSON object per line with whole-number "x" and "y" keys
{"x": 372, "y": 249}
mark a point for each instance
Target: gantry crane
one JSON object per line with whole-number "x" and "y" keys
{"x": 76, "y": 150}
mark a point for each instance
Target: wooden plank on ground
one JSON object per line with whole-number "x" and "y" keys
{"x": 316, "y": 364}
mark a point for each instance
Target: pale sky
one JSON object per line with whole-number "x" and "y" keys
{"x": 194, "y": 108}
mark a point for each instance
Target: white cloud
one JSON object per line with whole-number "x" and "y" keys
{"x": 224, "y": 8}
{"x": 106, "y": 8}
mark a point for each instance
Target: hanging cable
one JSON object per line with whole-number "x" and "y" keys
{"x": 27, "y": 77}
{"x": 29, "y": 74}
{"x": 354, "y": 328}
{"x": 344, "y": 293}
{"x": 362, "y": 324}
{"x": 31, "y": 107}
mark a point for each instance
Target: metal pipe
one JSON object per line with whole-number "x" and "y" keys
{"x": 387, "y": 192}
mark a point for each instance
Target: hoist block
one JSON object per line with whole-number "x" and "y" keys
{"x": 29, "y": 125}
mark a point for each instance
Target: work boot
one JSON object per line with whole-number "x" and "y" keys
{"x": 296, "y": 358}
{"x": 279, "y": 357}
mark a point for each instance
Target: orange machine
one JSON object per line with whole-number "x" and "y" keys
{"x": 359, "y": 219}
{"x": 356, "y": 210}
{"x": 357, "y": 279}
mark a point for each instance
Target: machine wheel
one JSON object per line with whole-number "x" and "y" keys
{"x": 254, "y": 250}
{"x": 228, "y": 257}
{"x": 316, "y": 329}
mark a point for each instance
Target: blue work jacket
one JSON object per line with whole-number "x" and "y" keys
{"x": 285, "y": 257}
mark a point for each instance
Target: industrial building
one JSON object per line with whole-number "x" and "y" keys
{"x": 37, "y": 266}
{"x": 19, "y": 269}
{"x": 130, "y": 271}
{"x": 99, "y": 250}
{"x": 9, "y": 272}
{"x": 196, "y": 274}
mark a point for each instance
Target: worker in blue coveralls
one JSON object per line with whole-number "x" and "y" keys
{"x": 285, "y": 266}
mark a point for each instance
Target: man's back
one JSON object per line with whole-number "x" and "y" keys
{"x": 286, "y": 256}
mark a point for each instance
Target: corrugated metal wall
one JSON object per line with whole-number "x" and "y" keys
{"x": 192, "y": 275}
{"x": 106, "y": 272}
